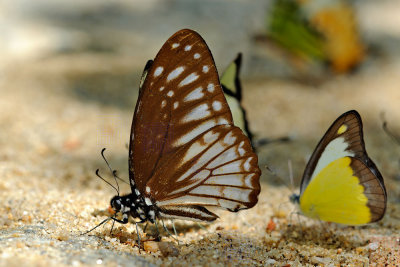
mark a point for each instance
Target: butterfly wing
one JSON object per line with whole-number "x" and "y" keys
{"x": 233, "y": 93}
{"x": 217, "y": 169}
{"x": 340, "y": 179}
{"x": 181, "y": 100}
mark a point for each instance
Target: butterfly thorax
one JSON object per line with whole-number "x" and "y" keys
{"x": 134, "y": 205}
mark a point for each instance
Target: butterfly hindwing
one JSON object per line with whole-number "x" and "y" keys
{"x": 341, "y": 183}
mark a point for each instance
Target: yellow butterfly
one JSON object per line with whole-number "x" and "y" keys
{"x": 341, "y": 183}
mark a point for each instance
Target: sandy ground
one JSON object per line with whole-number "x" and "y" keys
{"x": 58, "y": 112}
{"x": 50, "y": 146}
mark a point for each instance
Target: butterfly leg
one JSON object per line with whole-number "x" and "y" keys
{"x": 166, "y": 229}
{"x": 138, "y": 235}
{"x": 173, "y": 227}
{"x": 158, "y": 232}
{"x": 145, "y": 227}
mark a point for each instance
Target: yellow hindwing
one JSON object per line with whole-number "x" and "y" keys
{"x": 335, "y": 195}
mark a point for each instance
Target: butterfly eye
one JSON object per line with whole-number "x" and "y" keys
{"x": 116, "y": 203}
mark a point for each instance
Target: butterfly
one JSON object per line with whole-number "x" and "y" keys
{"x": 232, "y": 88}
{"x": 233, "y": 93}
{"x": 341, "y": 183}
{"x": 185, "y": 155}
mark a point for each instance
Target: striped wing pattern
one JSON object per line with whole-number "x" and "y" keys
{"x": 217, "y": 169}
{"x": 185, "y": 152}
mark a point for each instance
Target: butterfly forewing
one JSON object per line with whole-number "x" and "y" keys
{"x": 343, "y": 138}
{"x": 185, "y": 153}
{"x": 180, "y": 99}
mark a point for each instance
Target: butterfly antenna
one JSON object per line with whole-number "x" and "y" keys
{"x": 119, "y": 178}
{"x": 290, "y": 167}
{"x": 103, "y": 222}
{"x": 109, "y": 167}
{"x": 107, "y": 182}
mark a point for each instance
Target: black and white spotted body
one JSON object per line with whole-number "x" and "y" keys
{"x": 134, "y": 205}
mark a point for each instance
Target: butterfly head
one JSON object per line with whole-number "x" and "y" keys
{"x": 121, "y": 204}
{"x": 294, "y": 198}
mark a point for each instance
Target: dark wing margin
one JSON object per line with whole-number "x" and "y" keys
{"x": 374, "y": 188}
{"x": 353, "y": 137}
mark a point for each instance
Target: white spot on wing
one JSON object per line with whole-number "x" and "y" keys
{"x": 147, "y": 189}
{"x": 170, "y": 93}
{"x": 189, "y": 79}
{"x": 210, "y": 87}
{"x": 197, "y": 113}
{"x": 161, "y": 88}
{"x": 188, "y": 47}
{"x": 241, "y": 149}
{"x": 205, "y": 68}
{"x": 163, "y": 103}
{"x": 158, "y": 71}
{"x": 222, "y": 121}
{"x": 195, "y": 94}
{"x": 229, "y": 138}
{"x": 247, "y": 165}
{"x": 216, "y": 105}
{"x": 175, "y": 73}
{"x": 175, "y": 45}
{"x": 196, "y": 56}
{"x": 176, "y": 104}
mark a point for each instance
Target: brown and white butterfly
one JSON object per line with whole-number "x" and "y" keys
{"x": 185, "y": 154}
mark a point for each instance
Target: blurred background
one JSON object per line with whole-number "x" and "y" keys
{"x": 70, "y": 70}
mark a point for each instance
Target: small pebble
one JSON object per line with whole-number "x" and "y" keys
{"x": 168, "y": 249}
{"x": 150, "y": 246}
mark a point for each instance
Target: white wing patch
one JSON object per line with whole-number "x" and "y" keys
{"x": 158, "y": 71}
{"x": 197, "y": 113}
{"x": 205, "y": 68}
{"x": 189, "y": 79}
{"x": 232, "y": 167}
{"x": 210, "y": 87}
{"x": 175, "y": 73}
{"x": 194, "y": 95}
{"x": 216, "y": 105}
{"x": 195, "y": 132}
{"x": 334, "y": 150}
